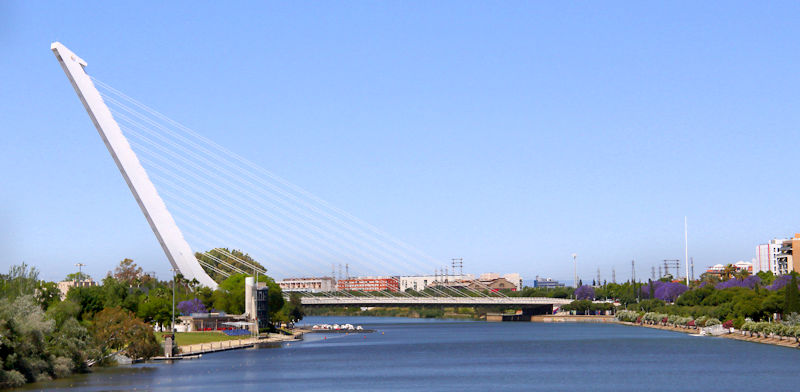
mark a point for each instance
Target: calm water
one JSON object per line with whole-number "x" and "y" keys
{"x": 412, "y": 354}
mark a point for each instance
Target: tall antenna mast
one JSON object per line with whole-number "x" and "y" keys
{"x": 176, "y": 248}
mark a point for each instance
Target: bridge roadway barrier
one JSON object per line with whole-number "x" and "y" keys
{"x": 423, "y": 301}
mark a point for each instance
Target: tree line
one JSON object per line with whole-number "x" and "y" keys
{"x": 44, "y": 337}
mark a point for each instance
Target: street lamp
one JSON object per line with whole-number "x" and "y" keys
{"x": 575, "y": 264}
{"x": 173, "y": 298}
{"x": 80, "y": 274}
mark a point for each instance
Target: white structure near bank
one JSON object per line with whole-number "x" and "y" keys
{"x": 176, "y": 248}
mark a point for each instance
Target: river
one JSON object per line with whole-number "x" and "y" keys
{"x": 419, "y": 354}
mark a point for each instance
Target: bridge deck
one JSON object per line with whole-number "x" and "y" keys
{"x": 423, "y": 301}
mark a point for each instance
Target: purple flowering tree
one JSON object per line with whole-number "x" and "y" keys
{"x": 669, "y": 291}
{"x": 192, "y": 306}
{"x": 780, "y": 282}
{"x": 749, "y": 282}
{"x": 645, "y": 290}
{"x": 584, "y": 292}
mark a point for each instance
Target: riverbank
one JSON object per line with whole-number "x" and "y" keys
{"x": 736, "y": 335}
{"x": 225, "y": 345}
{"x": 191, "y": 344}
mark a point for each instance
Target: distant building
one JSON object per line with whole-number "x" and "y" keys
{"x": 785, "y": 260}
{"x": 370, "y": 283}
{"x": 514, "y": 278}
{"x": 547, "y": 283}
{"x": 420, "y": 282}
{"x": 767, "y": 256}
{"x": 493, "y": 284}
{"x": 64, "y": 286}
{"x": 719, "y": 269}
{"x": 744, "y": 266}
{"x": 308, "y": 285}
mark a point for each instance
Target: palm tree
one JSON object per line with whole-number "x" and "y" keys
{"x": 742, "y": 274}
{"x": 728, "y": 272}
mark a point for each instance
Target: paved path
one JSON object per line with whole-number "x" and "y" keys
{"x": 203, "y": 348}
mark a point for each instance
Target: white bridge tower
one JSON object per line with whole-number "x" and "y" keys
{"x": 178, "y": 251}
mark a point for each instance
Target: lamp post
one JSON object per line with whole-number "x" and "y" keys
{"x": 80, "y": 274}
{"x": 173, "y": 299}
{"x": 575, "y": 264}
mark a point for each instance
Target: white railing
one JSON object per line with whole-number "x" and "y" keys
{"x": 366, "y": 301}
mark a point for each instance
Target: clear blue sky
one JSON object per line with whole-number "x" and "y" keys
{"x": 509, "y": 134}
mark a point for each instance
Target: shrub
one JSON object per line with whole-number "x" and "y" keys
{"x": 727, "y": 324}
{"x": 711, "y": 322}
{"x": 627, "y": 315}
{"x": 11, "y": 379}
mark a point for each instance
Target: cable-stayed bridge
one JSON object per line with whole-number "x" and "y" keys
{"x": 205, "y": 203}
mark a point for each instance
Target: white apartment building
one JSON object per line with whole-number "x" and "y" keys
{"x": 766, "y": 256}
{"x": 420, "y": 282}
{"x": 308, "y": 285}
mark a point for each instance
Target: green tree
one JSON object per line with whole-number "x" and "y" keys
{"x": 21, "y": 280}
{"x": 116, "y": 329}
{"x": 24, "y": 328}
{"x": 47, "y": 294}
{"x": 226, "y": 256}
{"x": 767, "y": 277}
{"x": 156, "y": 308}
{"x": 128, "y": 272}
{"x": 791, "y": 302}
{"x": 77, "y": 276}
{"x": 91, "y": 300}
{"x": 229, "y": 297}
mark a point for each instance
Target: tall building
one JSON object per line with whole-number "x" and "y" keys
{"x": 785, "y": 260}
{"x": 767, "y": 256}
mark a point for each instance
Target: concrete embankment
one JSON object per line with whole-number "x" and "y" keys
{"x": 549, "y": 318}
{"x": 190, "y": 350}
{"x": 572, "y": 319}
{"x": 736, "y": 335}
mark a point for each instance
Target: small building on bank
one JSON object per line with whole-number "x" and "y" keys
{"x": 215, "y": 321}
